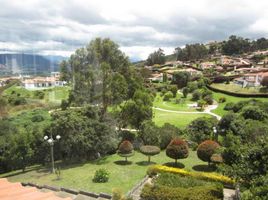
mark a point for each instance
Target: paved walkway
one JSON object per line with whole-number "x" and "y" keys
{"x": 228, "y": 194}
{"x": 137, "y": 192}
{"x": 207, "y": 110}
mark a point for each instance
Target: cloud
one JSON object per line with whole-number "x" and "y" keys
{"x": 139, "y": 27}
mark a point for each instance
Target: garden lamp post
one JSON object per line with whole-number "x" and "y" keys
{"x": 51, "y": 142}
{"x": 215, "y": 131}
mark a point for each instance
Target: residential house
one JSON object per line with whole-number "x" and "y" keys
{"x": 251, "y": 80}
{"x": 43, "y": 82}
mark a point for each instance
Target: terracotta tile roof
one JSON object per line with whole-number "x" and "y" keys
{"x": 15, "y": 191}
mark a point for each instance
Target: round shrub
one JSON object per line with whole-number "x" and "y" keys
{"x": 177, "y": 149}
{"x": 168, "y": 96}
{"x": 229, "y": 106}
{"x": 101, "y": 176}
{"x": 206, "y": 149}
{"x": 208, "y": 99}
{"x": 196, "y": 95}
{"x": 125, "y": 149}
{"x": 149, "y": 151}
{"x": 222, "y": 99}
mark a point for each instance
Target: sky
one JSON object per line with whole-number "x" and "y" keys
{"x": 58, "y": 27}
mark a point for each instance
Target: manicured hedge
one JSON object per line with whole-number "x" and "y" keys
{"x": 210, "y": 192}
{"x": 153, "y": 170}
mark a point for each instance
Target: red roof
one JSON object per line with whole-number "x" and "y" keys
{"x": 15, "y": 191}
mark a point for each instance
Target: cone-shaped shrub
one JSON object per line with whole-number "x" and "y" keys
{"x": 125, "y": 149}
{"x": 149, "y": 151}
{"x": 206, "y": 149}
{"x": 177, "y": 149}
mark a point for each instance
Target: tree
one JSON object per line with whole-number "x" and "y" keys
{"x": 149, "y": 133}
{"x": 137, "y": 110}
{"x": 208, "y": 99}
{"x": 201, "y": 104}
{"x": 21, "y": 151}
{"x": 253, "y": 112}
{"x": 173, "y": 89}
{"x": 196, "y": 95}
{"x": 93, "y": 69}
{"x": 201, "y": 129}
{"x": 185, "y": 92}
{"x": 264, "y": 81}
{"x": 125, "y": 149}
{"x": 192, "y": 52}
{"x": 206, "y": 149}
{"x": 177, "y": 149}
{"x": 149, "y": 151}
{"x": 85, "y": 135}
{"x": 65, "y": 71}
{"x": 157, "y": 57}
{"x": 235, "y": 45}
{"x": 166, "y": 133}
{"x": 181, "y": 79}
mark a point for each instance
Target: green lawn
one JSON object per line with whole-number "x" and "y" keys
{"x": 178, "y": 119}
{"x": 172, "y": 105}
{"x": 220, "y": 111}
{"x": 52, "y": 95}
{"x": 125, "y": 177}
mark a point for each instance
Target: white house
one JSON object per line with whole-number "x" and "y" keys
{"x": 43, "y": 82}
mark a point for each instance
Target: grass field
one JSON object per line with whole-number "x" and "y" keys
{"x": 232, "y": 87}
{"x": 178, "y": 119}
{"x": 51, "y": 95}
{"x": 125, "y": 177}
{"x": 172, "y": 105}
{"x": 220, "y": 111}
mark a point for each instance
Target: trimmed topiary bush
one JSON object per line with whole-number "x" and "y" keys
{"x": 125, "y": 149}
{"x": 206, "y": 149}
{"x": 101, "y": 176}
{"x": 149, "y": 151}
{"x": 177, "y": 149}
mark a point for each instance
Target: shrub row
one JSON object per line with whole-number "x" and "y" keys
{"x": 210, "y": 192}
{"x": 153, "y": 170}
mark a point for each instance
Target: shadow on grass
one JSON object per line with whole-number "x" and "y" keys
{"x": 22, "y": 172}
{"x": 100, "y": 161}
{"x": 173, "y": 164}
{"x": 145, "y": 163}
{"x": 122, "y": 162}
{"x": 204, "y": 168}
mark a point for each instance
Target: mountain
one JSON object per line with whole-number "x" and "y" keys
{"x": 12, "y": 64}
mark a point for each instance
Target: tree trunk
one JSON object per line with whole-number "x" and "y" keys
{"x": 149, "y": 159}
{"x": 126, "y": 159}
